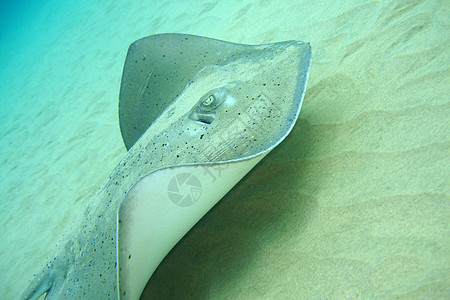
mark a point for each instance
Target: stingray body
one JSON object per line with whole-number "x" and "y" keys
{"x": 196, "y": 114}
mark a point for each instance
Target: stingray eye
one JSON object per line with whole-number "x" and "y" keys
{"x": 204, "y": 110}
{"x": 207, "y": 104}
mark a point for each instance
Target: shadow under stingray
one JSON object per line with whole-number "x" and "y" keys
{"x": 256, "y": 215}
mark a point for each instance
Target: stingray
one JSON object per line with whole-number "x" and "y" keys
{"x": 196, "y": 114}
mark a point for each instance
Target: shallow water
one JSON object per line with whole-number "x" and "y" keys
{"x": 354, "y": 203}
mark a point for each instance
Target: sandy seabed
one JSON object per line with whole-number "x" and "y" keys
{"x": 353, "y": 204}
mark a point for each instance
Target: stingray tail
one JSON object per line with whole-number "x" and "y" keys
{"x": 41, "y": 284}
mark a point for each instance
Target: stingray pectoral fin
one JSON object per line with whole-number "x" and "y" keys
{"x": 161, "y": 208}
{"x": 227, "y": 116}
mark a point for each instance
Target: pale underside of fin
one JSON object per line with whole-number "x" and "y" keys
{"x": 196, "y": 115}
